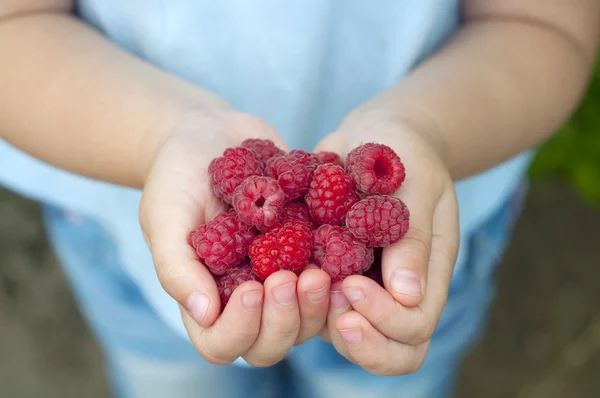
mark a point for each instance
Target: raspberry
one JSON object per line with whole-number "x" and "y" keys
{"x": 286, "y": 247}
{"x": 330, "y": 157}
{"x": 375, "y": 168}
{"x": 265, "y": 149}
{"x": 378, "y": 221}
{"x": 331, "y": 195}
{"x": 195, "y": 236}
{"x": 223, "y": 242}
{"x": 294, "y": 172}
{"x": 228, "y": 171}
{"x": 339, "y": 253}
{"x": 375, "y": 271}
{"x": 297, "y": 212}
{"x": 232, "y": 279}
{"x": 258, "y": 201}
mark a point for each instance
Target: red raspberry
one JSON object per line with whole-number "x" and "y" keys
{"x": 228, "y": 171}
{"x": 258, "y": 201}
{"x": 375, "y": 168}
{"x": 223, "y": 242}
{"x": 331, "y": 195}
{"x": 195, "y": 236}
{"x": 264, "y": 148}
{"x": 297, "y": 212}
{"x": 330, "y": 157}
{"x": 339, "y": 253}
{"x": 294, "y": 172}
{"x": 232, "y": 279}
{"x": 378, "y": 221}
{"x": 286, "y": 247}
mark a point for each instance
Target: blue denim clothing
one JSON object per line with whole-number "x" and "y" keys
{"x": 147, "y": 359}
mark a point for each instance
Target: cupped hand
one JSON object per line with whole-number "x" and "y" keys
{"x": 387, "y": 330}
{"x": 260, "y": 323}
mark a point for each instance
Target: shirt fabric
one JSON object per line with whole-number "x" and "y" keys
{"x": 301, "y": 66}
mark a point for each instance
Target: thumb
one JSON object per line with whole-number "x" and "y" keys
{"x": 167, "y": 219}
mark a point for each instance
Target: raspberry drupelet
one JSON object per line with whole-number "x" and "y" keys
{"x": 339, "y": 253}
{"x": 265, "y": 149}
{"x": 294, "y": 172}
{"x": 223, "y": 242}
{"x": 258, "y": 201}
{"x": 234, "y": 277}
{"x": 331, "y": 194}
{"x": 286, "y": 247}
{"x": 228, "y": 171}
{"x": 379, "y": 220}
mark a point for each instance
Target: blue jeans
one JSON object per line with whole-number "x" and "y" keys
{"x": 146, "y": 359}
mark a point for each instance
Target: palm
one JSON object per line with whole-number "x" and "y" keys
{"x": 181, "y": 178}
{"x": 177, "y": 198}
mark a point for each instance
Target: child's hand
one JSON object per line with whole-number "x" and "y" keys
{"x": 260, "y": 324}
{"x": 387, "y": 331}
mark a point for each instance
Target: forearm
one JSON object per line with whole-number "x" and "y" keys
{"x": 75, "y": 100}
{"x": 500, "y": 87}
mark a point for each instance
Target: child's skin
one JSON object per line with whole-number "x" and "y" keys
{"x": 507, "y": 80}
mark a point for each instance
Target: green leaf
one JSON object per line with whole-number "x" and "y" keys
{"x": 573, "y": 153}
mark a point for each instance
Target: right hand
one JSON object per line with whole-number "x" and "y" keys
{"x": 177, "y": 197}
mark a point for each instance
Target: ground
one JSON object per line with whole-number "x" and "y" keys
{"x": 543, "y": 338}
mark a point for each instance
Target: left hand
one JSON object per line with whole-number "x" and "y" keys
{"x": 387, "y": 331}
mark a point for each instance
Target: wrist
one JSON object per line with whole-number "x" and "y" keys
{"x": 165, "y": 125}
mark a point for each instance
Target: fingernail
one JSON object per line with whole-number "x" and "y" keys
{"x": 338, "y": 300}
{"x": 354, "y": 295}
{"x": 352, "y": 337}
{"x": 252, "y": 300}
{"x": 316, "y": 296}
{"x": 404, "y": 281}
{"x": 285, "y": 294}
{"x": 197, "y": 306}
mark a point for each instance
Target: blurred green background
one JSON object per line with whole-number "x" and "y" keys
{"x": 574, "y": 153}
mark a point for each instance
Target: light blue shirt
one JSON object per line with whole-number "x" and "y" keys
{"x": 300, "y": 65}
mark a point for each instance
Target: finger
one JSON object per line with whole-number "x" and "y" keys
{"x": 413, "y": 325}
{"x": 324, "y": 334}
{"x": 235, "y": 331}
{"x": 167, "y": 216}
{"x": 405, "y": 263}
{"x": 444, "y": 250}
{"x": 338, "y": 305}
{"x": 313, "y": 291}
{"x": 408, "y": 325}
{"x": 376, "y": 353}
{"x": 280, "y": 321}
{"x": 334, "y": 142}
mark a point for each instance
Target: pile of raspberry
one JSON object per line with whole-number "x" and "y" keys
{"x": 291, "y": 209}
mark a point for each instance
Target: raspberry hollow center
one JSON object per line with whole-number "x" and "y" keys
{"x": 381, "y": 168}
{"x": 260, "y": 202}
